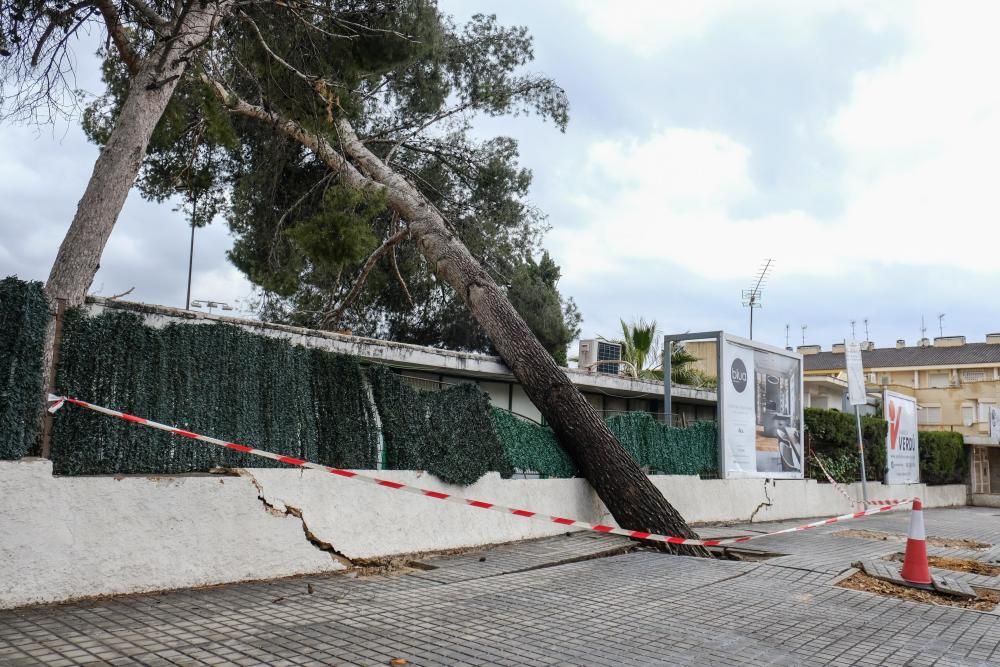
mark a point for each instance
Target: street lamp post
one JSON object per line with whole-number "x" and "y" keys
{"x": 187, "y": 304}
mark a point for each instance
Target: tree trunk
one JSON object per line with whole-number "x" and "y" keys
{"x": 627, "y": 492}
{"x": 114, "y": 172}
{"x": 118, "y": 164}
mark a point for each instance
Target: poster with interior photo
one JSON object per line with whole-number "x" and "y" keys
{"x": 761, "y": 416}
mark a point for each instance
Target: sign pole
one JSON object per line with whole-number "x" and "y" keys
{"x": 861, "y": 450}
{"x": 858, "y": 397}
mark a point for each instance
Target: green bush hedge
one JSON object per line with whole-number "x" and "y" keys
{"x": 833, "y": 436}
{"x": 943, "y": 457}
{"x": 24, "y": 316}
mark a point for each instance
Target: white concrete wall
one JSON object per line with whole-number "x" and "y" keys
{"x": 711, "y": 500}
{"x": 68, "y": 537}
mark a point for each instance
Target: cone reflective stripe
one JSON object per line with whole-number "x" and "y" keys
{"x": 57, "y": 401}
{"x": 915, "y": 567}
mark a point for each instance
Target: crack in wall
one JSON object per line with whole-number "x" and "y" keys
{"x": 286, "y": 510}
{"x": 766, "y": 503}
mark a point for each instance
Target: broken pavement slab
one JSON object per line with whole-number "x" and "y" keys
{"x": 886, "y": 571}
{"x": 946, "y": 584}
{"x": 950, "y": 585}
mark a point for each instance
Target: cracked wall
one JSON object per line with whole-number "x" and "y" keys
{"x": 63, "y": 538}
{"x": 69, "y": 537}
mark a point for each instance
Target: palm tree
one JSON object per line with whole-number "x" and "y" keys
{"x": 640, "y": 348}
{"x": 642, "y": 351}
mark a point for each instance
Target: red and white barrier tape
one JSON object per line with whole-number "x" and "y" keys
{"x": 840, "y": 489}
{"x": 56, "y": 402}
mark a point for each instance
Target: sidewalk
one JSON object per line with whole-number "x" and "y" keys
{"x": 524, "y": 604}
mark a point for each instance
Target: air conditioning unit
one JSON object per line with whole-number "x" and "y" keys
{"x": 593, "y": 354}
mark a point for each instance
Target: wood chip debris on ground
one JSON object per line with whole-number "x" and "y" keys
{"x": 986, "y": 601}
{"x": 957, "y": 565}
{"x": 943, "y": 542}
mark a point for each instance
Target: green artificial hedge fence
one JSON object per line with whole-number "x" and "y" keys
{"x": 833, "y": 436}
{"x": 448, "y": 432}
{"x": 24, "y": 315}
{"x": 217, "y": 379}
{"x": 262, "y": 391}
{"x": 530, "y": 447}
{"x": 657, "y": 448}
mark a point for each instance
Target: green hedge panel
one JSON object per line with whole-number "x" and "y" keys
{"x": 24, "y": 316}
{"x": 449, "y": 433}
{"x": 218, "y": 379}
{"x": 530, "y": 447}
{"x": 657, "y": 448}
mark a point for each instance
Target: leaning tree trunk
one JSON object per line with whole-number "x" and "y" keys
{"x": 627, "y": 492}
{"x": 118, "y": 164}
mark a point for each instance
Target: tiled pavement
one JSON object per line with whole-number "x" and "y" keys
{"x": 638, "y": 608}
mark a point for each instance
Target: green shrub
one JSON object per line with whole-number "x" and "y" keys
{"x": 943, "y": 458}
{"x": 833, "y": 436}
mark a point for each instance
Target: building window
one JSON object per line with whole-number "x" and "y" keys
{"x": 974, "y": 376}
{"x": 938, "y": 379}
{"x": 968, "y": 414}
{"x": 930, "y": 414}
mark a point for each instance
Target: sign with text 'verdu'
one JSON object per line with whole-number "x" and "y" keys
{"x": 902, "y": 456}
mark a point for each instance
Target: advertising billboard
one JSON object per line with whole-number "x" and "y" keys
{"x": 760, "y": 392}
{"x": 902, "y": 456}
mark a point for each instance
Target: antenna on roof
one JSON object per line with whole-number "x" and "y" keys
{"x": 852, "y": 329}
{"x": 752, "y": 297}
{"x": 867, "y": 337}
{"x": 941, "y": 324}
{"x": 804, "y": 327}
{"x": 923, "y": 328}
{"x": 788, "y": 345}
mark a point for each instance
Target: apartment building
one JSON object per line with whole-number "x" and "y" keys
{"x": 954, "y": 381}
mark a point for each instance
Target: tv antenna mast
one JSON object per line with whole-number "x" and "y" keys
{"x": 788, "y": 344}
{"x": 804, "y": 327}
{"x": 853, "y": 336}
{"x": 752, "y": 297}
{"x": 941, "y": 324}
{"x": 923, "y": 329}
{"x": 867, "y": 336}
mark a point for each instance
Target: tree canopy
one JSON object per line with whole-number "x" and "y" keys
{"x": 411, "y": 82}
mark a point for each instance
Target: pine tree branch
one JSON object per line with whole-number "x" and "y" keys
{"x": 289, "y": 128}
{"x": 149, "y": 13}
{"x": 118, "y": 36}
{"x": 334, "y": 318}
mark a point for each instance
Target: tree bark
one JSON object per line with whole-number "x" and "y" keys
{"x": 114, "y": 172}
{"x": 627, "y": 492}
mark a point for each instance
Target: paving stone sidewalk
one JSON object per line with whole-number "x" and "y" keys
{"x": 525, "y": 605}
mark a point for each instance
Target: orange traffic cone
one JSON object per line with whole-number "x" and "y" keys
{"x": 915, "y": 568}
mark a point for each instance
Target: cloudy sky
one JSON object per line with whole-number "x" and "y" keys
{"x": 855, "y": 145}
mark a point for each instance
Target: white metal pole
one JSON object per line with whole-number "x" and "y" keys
{"x": 861, "y": 450}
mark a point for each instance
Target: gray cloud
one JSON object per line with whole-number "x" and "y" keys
{"x": 770, "y": 85}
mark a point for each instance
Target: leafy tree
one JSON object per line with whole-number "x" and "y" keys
{"x": 361, "y": 93}
{"x": 533, "y": 293}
